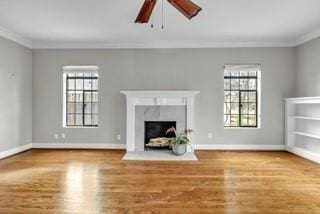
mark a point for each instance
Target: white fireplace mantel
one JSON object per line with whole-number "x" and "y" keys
{"x": 157, "y": 98}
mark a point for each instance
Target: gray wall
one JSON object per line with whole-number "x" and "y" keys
{"x": 308, "y": 72}
{"x": 308, "y": 85}
{"x": 162, "y": 69}
{"x": 15, "y": 95}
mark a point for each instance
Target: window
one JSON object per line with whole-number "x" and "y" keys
{"x": 80, "y": 96}
{"x": 241, "y": 96}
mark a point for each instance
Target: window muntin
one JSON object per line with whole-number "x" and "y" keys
{"x": 241, "y": 84}
{"x": 81, "y": 98}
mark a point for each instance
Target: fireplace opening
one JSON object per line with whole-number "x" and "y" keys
{"x": 155, "y": 136}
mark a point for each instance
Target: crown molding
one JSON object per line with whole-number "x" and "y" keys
{"x": 165, "y": 44}
{"x": 15, "y": 37}
{"x": 308, "y": 37}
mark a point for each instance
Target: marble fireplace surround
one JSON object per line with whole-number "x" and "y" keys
{"x": 156, "y": 98}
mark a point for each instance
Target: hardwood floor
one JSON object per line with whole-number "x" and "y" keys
{"x": 91, "y": 181}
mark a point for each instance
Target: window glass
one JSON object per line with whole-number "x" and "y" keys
{"x": 81, "y": 103}
{"x": 241, "y": 95}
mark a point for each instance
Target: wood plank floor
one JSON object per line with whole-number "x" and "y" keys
{"x": 91, "y": 181}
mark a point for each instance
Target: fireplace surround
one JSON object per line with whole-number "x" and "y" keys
{"x": 157, "y": 98}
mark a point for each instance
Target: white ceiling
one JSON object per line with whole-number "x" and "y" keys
{"x": 110, "y": 23}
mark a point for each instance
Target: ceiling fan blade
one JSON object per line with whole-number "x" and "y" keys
{"x": 146, "y": 11}
{"x": 186, "y": 7}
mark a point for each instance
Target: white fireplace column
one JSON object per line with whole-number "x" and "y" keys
{"x": 157, "y": 98}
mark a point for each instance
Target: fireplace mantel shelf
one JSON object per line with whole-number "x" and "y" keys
{"x": 160, "y": 98}
{"x": 156, "y": 98}
{"x": 160, "y": 93}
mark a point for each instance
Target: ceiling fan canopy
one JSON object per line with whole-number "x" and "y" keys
{"x": 186, "y": 7}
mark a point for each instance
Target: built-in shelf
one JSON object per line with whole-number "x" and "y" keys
{"x": 307, "y": 135}
{"x": 306, "y": 118}
{"x": 303, "y": 100}
{"x": 296, "y": 110}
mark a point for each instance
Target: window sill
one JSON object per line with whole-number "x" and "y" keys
{"x": 80, "y": 127}
{"x": 239, "y": 128}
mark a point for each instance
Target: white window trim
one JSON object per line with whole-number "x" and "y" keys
{"x": 65, "y": 70}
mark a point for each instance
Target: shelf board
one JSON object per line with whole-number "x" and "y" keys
{"x": 306, "y": 118}
{"x": 307, "y": 135}
{"x": 303, "y": 100}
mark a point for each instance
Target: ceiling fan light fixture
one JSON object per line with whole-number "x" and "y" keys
{"x": 146, "y": 11}
{"x": 186, "y": 7}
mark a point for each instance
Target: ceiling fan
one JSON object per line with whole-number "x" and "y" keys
{"x": 186, "y": 7}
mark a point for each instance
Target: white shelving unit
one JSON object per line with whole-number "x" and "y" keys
{"x": 294, "y": 112}
{"x": 307, "y": 135}
{"x": 306, "y": 118}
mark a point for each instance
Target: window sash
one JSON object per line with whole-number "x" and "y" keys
{"x": 81, "y": 99}
{"x": 241, "y": 99}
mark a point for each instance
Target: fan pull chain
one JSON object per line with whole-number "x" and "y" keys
{"x": 151, "y": 21}
{"x": 162, "y": 26}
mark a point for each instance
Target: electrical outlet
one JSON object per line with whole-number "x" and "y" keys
{"x": 118, "y": 137}
{"x": 56, "y": 136}
{"x": 210, "y": 136}
{"x": 63, "y": 136}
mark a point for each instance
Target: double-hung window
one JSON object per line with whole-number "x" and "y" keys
{"x": 80, "y": 103}
{"x": 241, "y": 96}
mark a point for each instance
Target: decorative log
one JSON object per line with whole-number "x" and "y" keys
{"x": 159, "y": 142}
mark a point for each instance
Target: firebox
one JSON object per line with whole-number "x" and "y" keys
{"x": 157, "y": 129}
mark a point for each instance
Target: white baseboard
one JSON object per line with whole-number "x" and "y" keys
{"x": 233, "y": 147}
{"x": 123, "y": 146}
{"x": 77, "y": 146}
{"x": 304, "y": 153}
{"x": 14, "y": 151}
{"x": 248, "y": 147}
